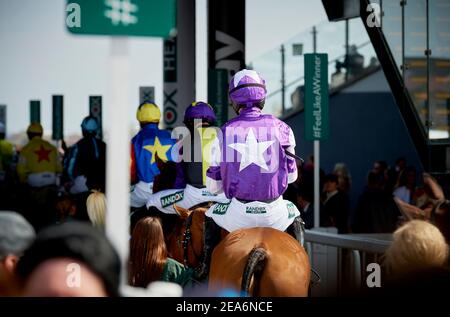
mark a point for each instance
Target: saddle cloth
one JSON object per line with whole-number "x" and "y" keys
{"x": 234, "y": 215}
{"x": 185, "y": 198}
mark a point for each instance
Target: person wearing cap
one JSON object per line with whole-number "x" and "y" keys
{"x": 148, "y": 146}
{"x": 16, "y": 235}
{"x": 39, "y": 168}
{"x": 7, "y": 158}
{"x": 253, "y": 167}
{"x": 70, "y": 259}
{"x": 190, "y": 183}
{"x": 39, "y": 163}
{"x": 85, "y": 162}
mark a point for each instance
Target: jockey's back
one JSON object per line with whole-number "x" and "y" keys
{"x": 37, "y": 158}
{"x": 146, "y": 145}
{"x": 253, "y": 163}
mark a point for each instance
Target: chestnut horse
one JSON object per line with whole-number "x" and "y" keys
{"x": 260, "y": 262}
{"x": 254, "y": 261}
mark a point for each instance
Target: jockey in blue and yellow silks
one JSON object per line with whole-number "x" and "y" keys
{"x": 145, "y": 146}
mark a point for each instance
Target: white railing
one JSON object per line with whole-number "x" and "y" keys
{"x": 342, "y": 271}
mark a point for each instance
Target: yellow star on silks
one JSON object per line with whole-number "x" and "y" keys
{"x": 158, "y": 148}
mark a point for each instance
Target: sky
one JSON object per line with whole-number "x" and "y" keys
{"x": 39, "y": 58}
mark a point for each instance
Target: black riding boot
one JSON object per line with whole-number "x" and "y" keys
{"x": 297, "y": 230}
{"x": 211, "y": 238}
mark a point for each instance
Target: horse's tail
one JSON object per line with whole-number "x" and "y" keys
{"x": 256, "y": 262}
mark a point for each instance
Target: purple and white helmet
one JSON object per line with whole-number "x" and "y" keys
{"x": 248, "y": 88}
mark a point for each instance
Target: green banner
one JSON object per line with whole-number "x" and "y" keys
{"x": 316, "y": 97}
{"x": 218, "y": 93}
{"x": 121, "y": 17}
{"x": 3, "y": 117}
{"x": 95, "y": 110}
{"x": 58, "y": 121}
{"x": 35, "y": 111}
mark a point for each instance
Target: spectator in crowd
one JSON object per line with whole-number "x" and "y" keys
{"x": 376, "y": 211}
{"x": 71, "y": 259}
{"x": 395, "y": 172}
{"x": 294, "y": 188}
{"x": 335, "y": 212}
{"x": 96, "y": 208}
{"x": 16, "y": 235}
{"x": 66, "y": 208}
{"x": 7, "y": 177}
{"x": 406, "y": 187}
{"x": 344, "y": 177}
{"x": 380, "y": 169}
{"x": 417, "y": 245}
{"x": 149, "y": 259}
{"x": 306, "y": 206}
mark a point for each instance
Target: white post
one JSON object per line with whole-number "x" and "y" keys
{"x": 118, "y": 174}
{"x": 316, "y": 183}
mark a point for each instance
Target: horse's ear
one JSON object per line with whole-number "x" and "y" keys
{"x": 182, "y": 212}
{"x": 435, "y": 190}
{"x": 409, "y": 211}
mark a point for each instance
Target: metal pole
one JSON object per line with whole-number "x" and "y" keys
{"x": 117, "y": 165}
{"x": 403, "y": 3}
{"x": 346, "y": 49}
{"x": 314, "y": 33}
{"x": 316, "y": 159}
{"x": 316, "y": 183}
{"x": 283, "y": 82}
{"x": 428, "y": 53}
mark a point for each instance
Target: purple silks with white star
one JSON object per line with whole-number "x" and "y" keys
{"x": 253, "y": 164}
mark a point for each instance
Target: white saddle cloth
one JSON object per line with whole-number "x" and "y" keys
{"x": 185, "y": 198}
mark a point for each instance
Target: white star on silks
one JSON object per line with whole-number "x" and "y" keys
{"x": 248, "y": 73}
{"x": 252, "y": 151}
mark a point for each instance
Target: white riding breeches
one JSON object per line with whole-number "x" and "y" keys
{"x": 140, "y": 194}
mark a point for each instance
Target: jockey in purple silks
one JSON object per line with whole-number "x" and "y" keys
{"x": 190, "y": 183}
{"x": 252, "y": 164}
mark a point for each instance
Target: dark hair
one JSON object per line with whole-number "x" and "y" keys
{"x": 331, "y": 178}
{"x": 259, "y": 104}
{"x": 33, "y": 134}
{"x": 78, "y": 241}
{"x": 403, "y": 177}
{"x": 372, "y": 178}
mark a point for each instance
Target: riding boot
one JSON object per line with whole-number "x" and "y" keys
{"x": 211, "y": 238}
{"x": 297, "y": 230}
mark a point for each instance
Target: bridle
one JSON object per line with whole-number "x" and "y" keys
{"x": 187, "y": 236}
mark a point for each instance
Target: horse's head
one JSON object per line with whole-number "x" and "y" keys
{"x": 186, "y": 242}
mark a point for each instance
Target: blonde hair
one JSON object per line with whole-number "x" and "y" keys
{"x": 416, "y": 245}
{"x": 96, "y": 208}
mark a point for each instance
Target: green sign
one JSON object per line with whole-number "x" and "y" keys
{"x": 3, "y": 117}
{"x": 35, "y": 111}
{"x": 121, "y": 17}
{"x": 58, "y": 126}
{"x": 316, "y": 97}
{"x": 218, "y": 93}
{"x": 95, "y": 110}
